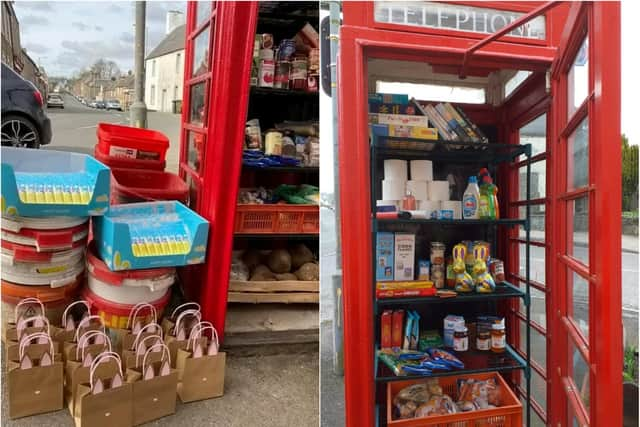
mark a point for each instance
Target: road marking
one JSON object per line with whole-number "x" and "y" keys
{"x": 87, "y": 127}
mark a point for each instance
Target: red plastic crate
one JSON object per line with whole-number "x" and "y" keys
{"x": 277, "y": 219}
{"x": 131, "y": 143}
{"x": 125, "y": 163}
{"x": 138, "y": 185}
{"x": 507, "y": 415}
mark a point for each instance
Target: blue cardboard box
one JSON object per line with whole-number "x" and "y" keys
{"x": 384, "y": 256}
{"x": 43, "y": 183}
{"x": 150, "y": 235}
{"x": 389, "y": 98}
{"x": 382, "y": 108}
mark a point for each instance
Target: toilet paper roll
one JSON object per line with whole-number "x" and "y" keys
{"x": 418, "y": 189}
{"x": 421, "y": 170}
{"x": 395, "y": 170}
{"x": 438, "y": 190}
{"x": 429, "y": 206}
{"x": 393, "y": 189}
{"x": 455, "y": 206}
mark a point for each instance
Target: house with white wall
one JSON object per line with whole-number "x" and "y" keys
{"x": 164, "y": 67}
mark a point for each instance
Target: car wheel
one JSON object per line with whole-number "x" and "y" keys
{"x": 19, "y": 131}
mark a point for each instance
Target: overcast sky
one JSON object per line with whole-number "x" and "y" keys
{"x": 68, "y": 36}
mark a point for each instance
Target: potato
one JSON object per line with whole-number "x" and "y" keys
{"x": 286, "y": 276}
{"x": 279, "y": 261}
{"x": 252, "y": 257}
{"x": 262, "y": 273}
{"x": 300, "y": 254}
{"x": 308, "y": 271}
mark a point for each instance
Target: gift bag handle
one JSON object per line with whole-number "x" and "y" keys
{"x": 27, "y": 339}
{"x": 22, "y": 322}
{"x": 82, "y": 342}
{"x": 102, "y": 358}
{"x": 136, "y": 309}
{"x": 165, "y": 351}
{"x": 197, "y": 330}
{"x": 87, "y": 320}
{"x": 158, "y": 328}
{"x": 186, "y": 304}
{"x": 66, "y": 310}
{"x": 142, "y": 342}
{"x": 214, "y": 335}
{"x": 194, "y": 313}
{"x": 30, "y": 300}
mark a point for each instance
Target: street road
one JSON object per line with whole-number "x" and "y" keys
{"x": 75, "y": 126}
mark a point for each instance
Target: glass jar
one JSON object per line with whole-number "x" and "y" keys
{"x": 437, "y": 253}
{"x": 483, "y": 341}
{"x": 438, "y": 276}
{"x": 498, "y": 339}
{"x": 460, "y": 338}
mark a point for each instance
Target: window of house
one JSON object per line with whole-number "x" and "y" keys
{"x": 178, "y": 63}
{"x": 153, "y": 68}
{"x": 152, "y": 96}
{"x": 175, "y": 92}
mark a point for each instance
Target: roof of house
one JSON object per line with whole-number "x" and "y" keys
{"x": 174, "y": 41}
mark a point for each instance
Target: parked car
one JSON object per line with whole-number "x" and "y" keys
{"x": 24, "y": 121}
{"x": 55, "y": 100}
{"x": 101, "y": 105}
{"x": 93, "y": 104}
{"x": 113, "y": 104}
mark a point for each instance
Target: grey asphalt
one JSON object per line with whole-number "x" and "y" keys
{"x": 262, "y": 390}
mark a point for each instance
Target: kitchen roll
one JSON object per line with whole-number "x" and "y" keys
{"x": 455, "y": 206}
{"x": 438, "y": 190}
{"x": 395, "y": 170}
{"x": 429, "y": 206}
{"x": 421, "y": 170}
{"x": 418, "y": 189}
{"x": 393, "y": 189}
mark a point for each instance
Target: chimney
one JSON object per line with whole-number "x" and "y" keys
{"x": 175, "y": 18}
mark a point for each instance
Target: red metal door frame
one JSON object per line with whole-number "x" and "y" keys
{"x": 602, "y": 350}
{"x": 357, "y": 45}
{"x": 230, "y": 56}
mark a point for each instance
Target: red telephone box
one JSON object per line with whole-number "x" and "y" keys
{"x": 574, "y": 123}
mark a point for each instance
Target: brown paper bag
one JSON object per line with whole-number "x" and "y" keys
{"x": 89, "y": 323}
{"x": 154, "y": 386}
{"x": 109, "y": 408}
{"x": 77, "y": 367}
{"x": 27, "y": 307}
{"x": 133, "y": 359}
{"x": 26, "y": 326}
{"x": 72, "y": 315}
{"x": 37, "y": 389}
{"x": 122, "y": 338}
{"x": 169, "y": 322}
{"x": 201, "y": 366}
{"x": 177, "y": 337}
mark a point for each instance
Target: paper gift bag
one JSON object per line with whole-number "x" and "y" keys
{"x": 154, "y": 386}
{"x": 77, "y": 367}
{"x": 27, "y": 307}
{"x": 169, "y": 322}
{"x": 106, "y": 400}
{"x": 89, "y": 323}
{"x": 27, "y": 326}
{"x": 177, "y": 337}
{"x": 140, "y": 315}
{"x": 72, "y": 315}
{"x": 132, "y": 340}
{"x": 35, "y": 378}
{"x": 201, "y": 366}
{"x": 133, "y": 358}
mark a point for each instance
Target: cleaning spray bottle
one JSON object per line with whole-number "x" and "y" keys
{"x": 470, "y": 199}
{"x": 488, "y": 207}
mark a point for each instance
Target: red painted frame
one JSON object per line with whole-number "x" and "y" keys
{"x": 226, "y": 101}
{"x": 360, "y": 39}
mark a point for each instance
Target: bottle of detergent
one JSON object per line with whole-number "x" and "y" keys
{"x": 470, "y": 199}
{"x": 488, "y": 207}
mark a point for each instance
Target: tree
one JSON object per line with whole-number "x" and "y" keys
{"x": 105, "y": 69}
{"x": 629, "y": 175}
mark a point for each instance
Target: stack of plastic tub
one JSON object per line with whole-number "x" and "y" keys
{"x": 127, "y": 147}
{"x": 47, "y": 199}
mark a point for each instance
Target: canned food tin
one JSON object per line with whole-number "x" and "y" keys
{"x": 312, "y": 82}
{"x": 437, "y": 253}
{"x": 266, "y": 54}
{"x": 497, "y": 270}
{"x": 298, "y": 75}
{"x": 282, "y": 75}
{"x": 265, "y": 78}
{"x": 273, "y": 143}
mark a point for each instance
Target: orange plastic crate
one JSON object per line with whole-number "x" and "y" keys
{"x": 277, "y": 219}
{"x": 507, "y": 415}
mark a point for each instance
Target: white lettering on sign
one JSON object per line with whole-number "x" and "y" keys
{"x": 456, "y": 17}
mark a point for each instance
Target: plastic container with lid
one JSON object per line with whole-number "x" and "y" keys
{"x": 15, "y": 252}
{"x": 131, "y": 142}
{"x": 498, "y": 338}
{"x": 54, "y": 273}
{"x": 460, "y": 338}
{"x": 138, "y": 185}
{"x": 55, "y": 300}
{"x": 127, "y": 287}
{"x": 48, "y": 240}
{"x": 127, "y": 163}
{"x": 15, "y": 224}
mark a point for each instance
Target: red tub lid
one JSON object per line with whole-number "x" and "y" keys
{"x": 26, "y": 253}
{"x": 98, "y": 269}
{"x": 12, "y": 292}
{"x": 48, "y": 239}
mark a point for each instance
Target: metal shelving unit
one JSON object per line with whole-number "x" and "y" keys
{"x": 455, "y": 153}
